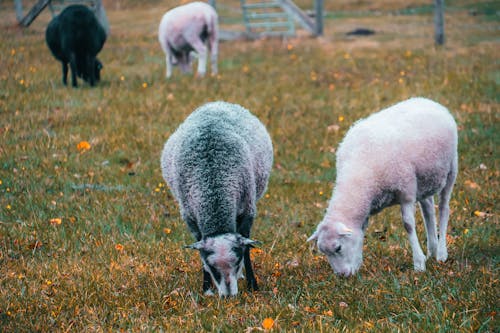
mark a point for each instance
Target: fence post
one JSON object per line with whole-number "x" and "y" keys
{"x": 100, "y": 13}
{"x": 19, "y": 9}
{"x": 439, "y": 22}
{"x": 318, "y": 9}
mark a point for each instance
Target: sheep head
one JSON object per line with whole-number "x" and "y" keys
{"x": 223, "y": 259}
{"x": 343, "y": 246}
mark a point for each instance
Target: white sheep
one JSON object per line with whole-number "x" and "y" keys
{"x": 187, "y": 28}
{"x": 217, "y": 165}
{"x": 401, "y": 155}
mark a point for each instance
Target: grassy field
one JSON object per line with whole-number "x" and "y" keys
{"x": 91, "y": 239}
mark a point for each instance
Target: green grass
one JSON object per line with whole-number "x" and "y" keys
{"x": 116, "y": 261}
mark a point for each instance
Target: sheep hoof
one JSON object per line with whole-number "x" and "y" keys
{"x": 432, "y": 253}
{"x": 208, "y": 292}
{"x": 419, "y": 263}
{"x": 442, "y": 255}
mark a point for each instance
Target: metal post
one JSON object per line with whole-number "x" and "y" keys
{"x": 318, "y": 9}
{"x": 19, "y": 10}
{"x": 439, "y": 22}
{"x": 100, "y": 12}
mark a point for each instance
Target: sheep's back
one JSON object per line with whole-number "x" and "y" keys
{"x": 221, "y": 152}
{"x": 178, "y": 19}
{"x": 414, "y": 136}
{"x": 80, "y": 31}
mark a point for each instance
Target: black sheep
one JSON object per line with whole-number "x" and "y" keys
{"x": 75, "y": 36}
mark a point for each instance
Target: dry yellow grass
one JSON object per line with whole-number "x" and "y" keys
{"x": 91, "y": 239}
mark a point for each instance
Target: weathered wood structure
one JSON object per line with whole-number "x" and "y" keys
{"x": 275, "y": 18}
{"x": 260, "y": 17}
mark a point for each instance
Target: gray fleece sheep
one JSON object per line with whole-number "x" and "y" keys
{"x": 217, "y": 165}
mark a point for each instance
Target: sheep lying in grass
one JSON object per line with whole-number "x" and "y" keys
{"x": 75, "y": 36}
{"x": 217, "y": 165}
{"x": 187, "y": 28}
{"x": 401, "y": 155}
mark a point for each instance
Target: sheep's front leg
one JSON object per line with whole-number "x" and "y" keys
{"x": 251, "y": 281}
{"x": 168, "y": 61}
{"x": 245, "y": 222}
{"x": 90, "y": 62}
{"x": 207, "y": 284}
{"x": 408, "y": 214}
{"x": 429, "y": 215}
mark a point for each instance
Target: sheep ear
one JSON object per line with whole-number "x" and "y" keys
{"x": 313, "y": 236}
{"x": 195, "y": 246}
{"x": 248, "y": 241}
{"x": 345, "y": 232}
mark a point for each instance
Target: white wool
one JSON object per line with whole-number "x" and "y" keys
{"x": 192, "y": 27}
{"x": 401, "y": 155}
{"x": 414, "y": 136}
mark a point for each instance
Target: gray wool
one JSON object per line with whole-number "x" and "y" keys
{"x": 217, "y": 165}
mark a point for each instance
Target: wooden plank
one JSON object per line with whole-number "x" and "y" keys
{"x": 269, "y": 25}
{"x": 260, "y": 5}
{"x": 34, "y": 12}
{"x": 305, "y": 21}
{"x": 263, "y": 16}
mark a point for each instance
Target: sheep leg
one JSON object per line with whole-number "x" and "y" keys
{"x": 200, "y": 48}
{"x": 251, "y": 281}
{"x": 91, "y": 69}
{"x": 72, "y": 65}
{"x": 64, "y": 73}
{"x": 207, "y": 283}
{"x": 213, "y": 44}
{"x": 429, "y": 215}
{"x": 244, "y": 226}
{"x": 168, "y": 61}
{"x": 444, "y": 214}
{"x": 408, "y": 215}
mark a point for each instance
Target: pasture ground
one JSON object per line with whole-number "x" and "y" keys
{"x": 91, "y": 239}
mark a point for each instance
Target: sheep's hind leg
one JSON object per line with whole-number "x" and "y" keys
{"x": 214, "y": 50}
{"x": 444, "y": 215}
{"x": 408, "y": 215}
{"x": 64, "y": 73}
{"x": 201, "y": 50}
{"x": 429, "y": 215}
{"x": 72, "y": 64}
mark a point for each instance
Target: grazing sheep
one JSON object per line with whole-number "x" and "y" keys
{"x": 217, "y": 165}
{"x": 190, "y": 27}
{"x": 76, "y": 37}
{"x": 398, "y": 156}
